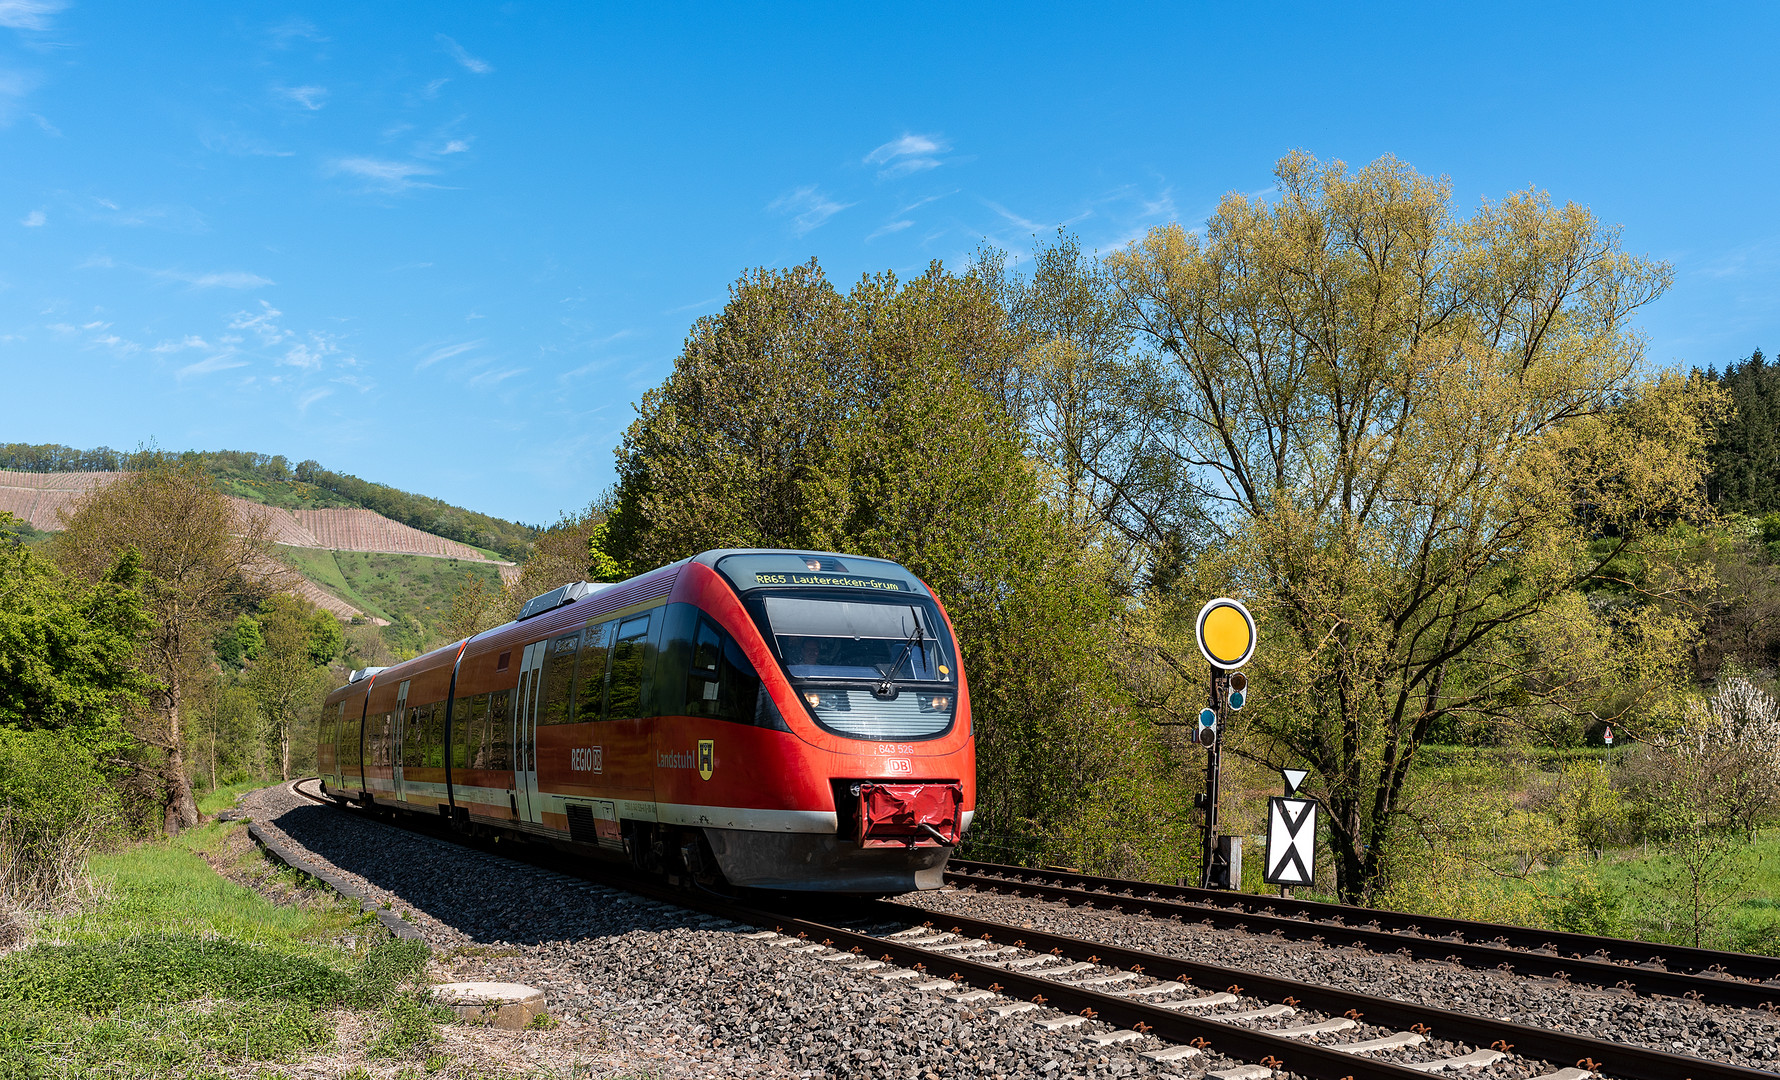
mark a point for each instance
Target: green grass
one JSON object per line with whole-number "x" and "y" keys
{"x": 391, "y": 587}
{"x": 1623, "y": 895}
{"x": 167, "y": 888}
{"x": 176, "y": 971}
{"x": 224, "y": 797}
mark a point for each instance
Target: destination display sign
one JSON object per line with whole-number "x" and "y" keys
{"x": 855, "y": 581}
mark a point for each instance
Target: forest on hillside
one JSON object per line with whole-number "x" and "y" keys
{"x": 1478, "y": 530}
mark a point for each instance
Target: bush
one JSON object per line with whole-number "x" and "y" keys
{"x": 55, "y": 809}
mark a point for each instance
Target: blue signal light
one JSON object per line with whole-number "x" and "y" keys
{"x": 1236, "y": 699}
{"x": 1207, "y": 718}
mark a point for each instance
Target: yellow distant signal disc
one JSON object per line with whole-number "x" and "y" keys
{"x": 1226, "y": 633}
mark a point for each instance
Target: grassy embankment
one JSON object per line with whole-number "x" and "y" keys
{"x": 173, "y": 970}
{"x": 1505, "y": 837}
{"x": 391, "y": 587}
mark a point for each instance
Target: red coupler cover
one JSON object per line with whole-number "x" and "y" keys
{"x": 892, "y": 814}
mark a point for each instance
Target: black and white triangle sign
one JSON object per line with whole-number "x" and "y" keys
{"x": 1291, "y": 842}
{"x": 1294, "y": 777}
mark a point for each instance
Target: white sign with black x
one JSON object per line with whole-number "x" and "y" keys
{"x": 1291, "y": 842}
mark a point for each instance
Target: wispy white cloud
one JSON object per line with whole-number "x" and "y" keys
{"x": 308, "y": 356}
{"x": 263, "y": 323}
{"x": 887, "y": 229}
{"x": 697, "y": 305}
{"x": 909, "y": 154}
{"x": 446, "y": 352}
{"x": 162, "y": 216}
{"x": 495, "y": 378}
{"x": 227, "y": 279}
{"x": 312, "y": 397}
{"x": 190, "y": 341}
{"x": 34, "y": 219}
{"x": 462, "y": 56}
{"x": 29, "y": 14}
{"x": 222, "y": 361}
{"x": 455, "y": 146}
{"x": 241, "y": 144}
{"x": 309, "y": 97}
{"x": 295, "y": 28}
{"x": 48, "y": 128}
{"x": 1013, "y": 218}
{"x": 810, "y": 209}
{"x": 15, "y": 86}
{"x": 390, "y": 176}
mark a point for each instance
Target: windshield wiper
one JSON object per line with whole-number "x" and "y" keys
{"x": 887, "y": 688}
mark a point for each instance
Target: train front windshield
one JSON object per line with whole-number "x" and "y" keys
{"x": 867, "y": 652}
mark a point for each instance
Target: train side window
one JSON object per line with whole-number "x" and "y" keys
{"x": 705, "y": 679}
{"x": 630, "y": 653}
{"x": 590, "y": 679}
{"x": 740, "y": 695}
{"x": 463, "y": 711}
{"x": 414, "y": 737}
{"x": 499, "y": 746}
{"x": 386, "y": 740}
{"x": 559, "y": 681}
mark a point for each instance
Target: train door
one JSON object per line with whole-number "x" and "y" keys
{"x": 395, "y": 757}
{"x": 525, "y": 734}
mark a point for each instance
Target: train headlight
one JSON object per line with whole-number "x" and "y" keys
{"x": 815, "y": 700}
{"x": 934, "y": 702}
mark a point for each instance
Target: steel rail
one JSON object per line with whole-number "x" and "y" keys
{"x": 1309, "y": 1059}
{"x": 1613, "y": 1058}
{"x": 1693, "y": 959}
{"x": 1718, "y": 990}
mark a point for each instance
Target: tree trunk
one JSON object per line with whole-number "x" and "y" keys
{"x": 178, "y": 783}
{"x": 284, "y": 751}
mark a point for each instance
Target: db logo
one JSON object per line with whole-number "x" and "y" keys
{"x": 898, "y": 765}
{"x": 587, "y": 759}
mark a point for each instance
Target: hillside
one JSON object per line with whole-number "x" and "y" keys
{"x": 271, "y": 480}
{"x": 354, "y": 561}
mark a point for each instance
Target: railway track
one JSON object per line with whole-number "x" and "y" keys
{"x": 1193, "y": 1009}
{"x": 1719, "y": 978}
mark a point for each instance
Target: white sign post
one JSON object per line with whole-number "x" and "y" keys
{"x": 1291, "y": 842}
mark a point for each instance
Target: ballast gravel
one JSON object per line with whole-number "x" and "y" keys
{"x": 1748, "y": 1037}
{"x": 643, "y": 987}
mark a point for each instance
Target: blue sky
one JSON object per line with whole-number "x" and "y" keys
{"x": 447, "y": 246}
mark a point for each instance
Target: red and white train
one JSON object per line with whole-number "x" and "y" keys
{"x": 753, "y": 718}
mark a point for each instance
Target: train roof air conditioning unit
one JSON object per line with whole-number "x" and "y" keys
{"x": 556, "y": 598}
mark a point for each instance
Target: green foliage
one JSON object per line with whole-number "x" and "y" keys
{"x": 55, "y": 807}
{"x": 163, "y": 968}
{"x": 1408, "y": 426}
{"x": 1587, "y": 908}
{"x": 156, "y": 1041}
{"x": 865, "y": 422}
{"x": 67, "y": 646}
{"x": 240, "y": 642}
{"x": 1745, "y": 453}
{"x": 183, "y": 973}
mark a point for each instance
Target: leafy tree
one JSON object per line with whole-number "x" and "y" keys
{"x": 474, "y": 608}
{"x": 291, "y": 672}
{"x": 66, "y": 646}
{"x": 1745, "y": 453}
{"x": 201, "y": 564}
{"x": 1407, "y": 428}
{"x": 240, "y": 642}
{"x": 867, "y": 422}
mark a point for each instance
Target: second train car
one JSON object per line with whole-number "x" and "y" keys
{"x": 773, "y": 719}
